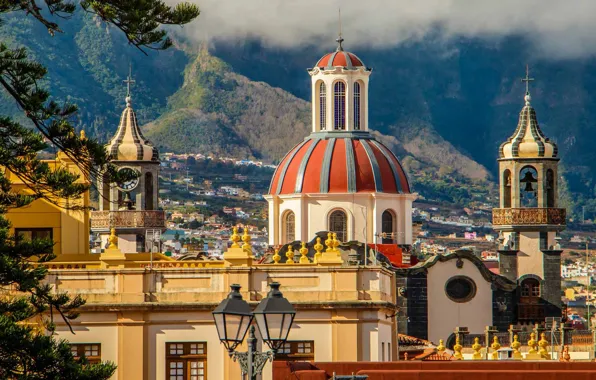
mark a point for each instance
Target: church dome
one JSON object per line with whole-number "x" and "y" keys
{"x": 339, "y": 165}
{"x": 129, "y": 144}
{"x": 528, "y": 141}
{"x": 339, "y": 58}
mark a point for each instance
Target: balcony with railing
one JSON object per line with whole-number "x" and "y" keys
{"x": 529, "y": 216}
{"x": 127, "y": 219}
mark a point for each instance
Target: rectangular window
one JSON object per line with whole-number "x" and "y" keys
{"x": 28, "y": 234}
{"x": 296, "y": 351}
{"x": 91, "y": 351}
{"x": 389, "y": 351}
{"x": 383, "y": 351}
{"x": 543, "y": 241}
{"x": 186, "y": 361}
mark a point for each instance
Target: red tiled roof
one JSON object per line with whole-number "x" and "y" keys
{"x": 350, "y": 168}
{"x": 339, "y": 58}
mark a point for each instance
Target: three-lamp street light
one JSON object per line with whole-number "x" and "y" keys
{"x": 233, "y": 319}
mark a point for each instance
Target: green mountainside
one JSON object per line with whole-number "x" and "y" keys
{"x": 191, "y": 99}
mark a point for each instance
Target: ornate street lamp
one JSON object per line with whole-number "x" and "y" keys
{"x": 274, "y": 316}
{"x": 233, "y": 319}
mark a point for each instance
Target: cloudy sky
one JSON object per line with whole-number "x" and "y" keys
{"x": 557, "y": 28}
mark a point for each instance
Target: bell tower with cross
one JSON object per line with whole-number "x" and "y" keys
{"x": 528, "y": 218}
{"x": 130, "y": 207}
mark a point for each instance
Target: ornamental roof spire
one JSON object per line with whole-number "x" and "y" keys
{"x": 528, "y": 140}
{"x": 129, "y": 144}
{"x": 339, "y": 38}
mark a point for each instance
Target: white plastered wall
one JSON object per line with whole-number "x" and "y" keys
{"x": 529, "y": 257}
{"x": 107, "y": 336}
{"x": 349, "y": 77}
{"x": 364, "y": 213}
{"x": 445, "y": 315}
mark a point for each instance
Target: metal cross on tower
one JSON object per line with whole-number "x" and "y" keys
{"x": 129, "y": 81}
{"x": 340, "y": 38}
{"x": 527, "y": 79}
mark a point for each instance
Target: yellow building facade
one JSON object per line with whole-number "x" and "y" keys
{"x": 67, "y": 227}
{"x": 149, "y": 320}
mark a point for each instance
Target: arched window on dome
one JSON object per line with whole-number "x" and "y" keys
{"x": 339, "y": 105}
{"x": 387, "y": 227}
{"x": 357, "y": 106}
{"x": 289, "y": 227}
{"x": 322, "y": 106}
{"x": 338, "y": 224}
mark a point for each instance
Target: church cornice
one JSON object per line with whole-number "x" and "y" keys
{"x": 499, "y": 281}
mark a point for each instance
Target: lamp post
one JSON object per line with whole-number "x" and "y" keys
{"x": 233, "y": 318}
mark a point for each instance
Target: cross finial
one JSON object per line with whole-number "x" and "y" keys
{"x": 340, "y": 38}
{"x": 128, "y": 82}
{"x": 527, "y": 79}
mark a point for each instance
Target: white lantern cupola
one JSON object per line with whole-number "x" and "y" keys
{"x": 340, "y": 92}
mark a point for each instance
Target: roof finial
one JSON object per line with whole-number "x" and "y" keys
{"x": 527, "y": 79}
{"x": 340, "y": 38}
{"x": 128, "y": 82}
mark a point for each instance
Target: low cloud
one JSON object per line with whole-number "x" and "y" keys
{"x": 557, "y": 28}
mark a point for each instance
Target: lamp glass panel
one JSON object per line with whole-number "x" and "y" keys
{"x": 219, "y": 323}
{"x": 243, "y": 328}
{"x": 286, "y": 325}
{"x": 262, "y": 325}
{"x": 275, "y": 324}
{"x": 233, "y": 322}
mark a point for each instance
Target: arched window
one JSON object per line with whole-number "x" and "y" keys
{"x": 322, "y": 106}
{"x": 357, "y": 113}
{"x": 387, "y": 227}
{"x": 528, "y": 187}
{"x": 550, "y": 188}
{"x": 530, "y": 288}
{"x": 507, "y": 189}
{"x": 289, "y": 227}
{"x": 149, "y": 191}
{"x": 339, "y": 106}
{"x": 338, "y": 223}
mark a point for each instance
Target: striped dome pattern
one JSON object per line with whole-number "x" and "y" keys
{"x": 129, "y": 144}
{"x": 339, "y": 165}
{"x": 528, "y": 141}
{"x": 339, "y": 58}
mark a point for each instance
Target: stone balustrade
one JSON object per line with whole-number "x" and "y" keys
{"x": 127, "y": 219}
{"x": 529, "y": 216}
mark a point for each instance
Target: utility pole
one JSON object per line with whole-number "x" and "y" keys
{"x": 588, "y": 281}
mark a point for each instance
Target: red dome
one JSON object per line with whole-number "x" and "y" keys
{"x": 339, "y": 165}
{"x": 339, "y": 58}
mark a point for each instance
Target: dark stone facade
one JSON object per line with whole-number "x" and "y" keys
{"x": 413, "y": 304}
{"x": 551, "y": 287}
{"x": 508, "y": 264}
{"x": 412, "y": 295}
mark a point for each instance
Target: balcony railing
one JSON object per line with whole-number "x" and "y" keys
{"x": 127, "y": 219}
{"x": 529, "y": 216}
{"x": 530, "y": 312}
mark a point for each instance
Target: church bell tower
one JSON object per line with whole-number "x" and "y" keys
{"x": 131, "y": 208}
{"x": 528, "y": 218}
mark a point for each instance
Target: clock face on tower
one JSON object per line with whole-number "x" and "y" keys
{"x": 130, "y": 184}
